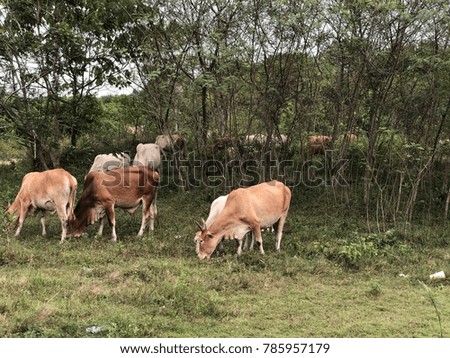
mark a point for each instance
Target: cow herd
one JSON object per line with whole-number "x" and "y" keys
{"x": 114, "y": 181}
{"x": 128, "y": 187}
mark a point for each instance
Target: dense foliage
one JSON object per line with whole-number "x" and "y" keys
{"x": 212, "y": 69}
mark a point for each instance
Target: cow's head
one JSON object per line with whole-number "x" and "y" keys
{"x": 80, "y": 221}
{"x": 76, "y": 228}
{"x": 205, "y": 242}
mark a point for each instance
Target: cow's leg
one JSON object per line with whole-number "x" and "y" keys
{"x": 102, "y": 225}
{"x": 246, "y": 244}
{"x": 109, "y": 212}
{"x": 153, "y": 215}
{"x": 44, "y": 231}
{"x": 146, "y": 209}
{"x": 20, "y": 220}
{"x": 239, "y": 242}
{"x": 249, "y": 240}
{"x": 279, "y": 228}
{"x": 23, "y": 212}
{"x": 142, "y": 228}
{"x": 61, "y": 210}
{"x": 256, "y": 232}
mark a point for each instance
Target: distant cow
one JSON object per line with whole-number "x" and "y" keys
{"x": 170, "y": 143}
{"x": 247, "y": 209}
{"x": 136, "y": 130}
{"x": 125, "y": 188}
{"x": 220, "y": 144}
{"x": 51, "y": 190}
{"x": 352, "y": 137}
{"x": 174, "y": 146}
{"x": 259, "y": 139}
{"x": 148, "y": 155}
{"x": 105, "y": 162}
{"x": 318, "y": 144}
{"x": 282, "y": 139}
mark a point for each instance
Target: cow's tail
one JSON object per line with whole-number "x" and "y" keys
{"x": 72, "y": 194}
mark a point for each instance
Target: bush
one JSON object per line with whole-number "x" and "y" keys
{"x": 359, "y": 249}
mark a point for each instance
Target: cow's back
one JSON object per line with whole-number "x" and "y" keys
{"x": 267, "y": 201}
{"x": 48, "y": 183}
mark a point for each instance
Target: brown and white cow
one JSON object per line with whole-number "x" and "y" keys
{"x": 318, "y": 144}
{"x": 125, "y": 188}
{"x": 105, "y": 162}
{"x": 51, "y": 190}
{"x": 247, "y": 209}
{"x": 215, "y": 209}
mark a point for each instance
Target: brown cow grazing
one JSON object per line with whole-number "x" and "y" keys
{"x": 124, "y": 188}
{"x": 318, "y": 144}
{"x": 51, "y": 190}
{"x": 247, "y": 209}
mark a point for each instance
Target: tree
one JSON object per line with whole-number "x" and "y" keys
{"x": 53, "y": 57}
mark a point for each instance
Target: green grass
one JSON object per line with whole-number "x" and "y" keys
{"x": 331, "y": 279}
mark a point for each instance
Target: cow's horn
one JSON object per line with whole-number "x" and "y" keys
{"x": 204, "y": 224}
{"x": 199, "y": 225}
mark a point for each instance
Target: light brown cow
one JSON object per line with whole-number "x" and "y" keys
{"x": 125, "y": 188}
{"x": 247, "y": 209}
{"x": 51, "y": 190}
{"x": 318, "y": 144}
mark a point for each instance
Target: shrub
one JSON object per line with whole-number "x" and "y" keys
{"x": 358, "y": 250}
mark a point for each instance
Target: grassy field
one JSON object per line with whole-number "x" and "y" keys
{"x": 331, "y": 279}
